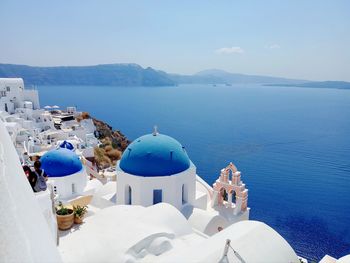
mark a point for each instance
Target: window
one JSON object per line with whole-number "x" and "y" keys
{"x": 233, "y": 195}
{"x": 128, "y": 195}
{"x": 157, "y": 196}
{"x": 184, "y": 194}
{"x": 73, "y": 189}
{"x": 8, "y": 89}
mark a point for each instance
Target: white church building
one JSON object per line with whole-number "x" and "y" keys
{"x": 155, "y": 168}
{"x": 66, "y": 174}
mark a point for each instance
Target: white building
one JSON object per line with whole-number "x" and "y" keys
{"x": 35, "y": 131}
{"x": 66, "y": 173}
{"x": 155, "y": 168}
{"x": 13, "y": 95}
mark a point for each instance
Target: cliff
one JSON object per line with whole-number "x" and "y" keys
{"x": 114, "y": 142}
{"x": 100, "y": 75}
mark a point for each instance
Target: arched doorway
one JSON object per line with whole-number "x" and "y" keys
{"x": 128, "y": 195}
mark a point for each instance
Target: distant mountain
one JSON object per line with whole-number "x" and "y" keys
{"x": 110, "y": 75}
{"x": 194, "y": 79}
{"x": 216, "y": 76}
{"x": 317, "y": 84}
{"x": 135, "y": 75}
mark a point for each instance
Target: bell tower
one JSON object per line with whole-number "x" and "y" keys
{"x": 229, "y": 191}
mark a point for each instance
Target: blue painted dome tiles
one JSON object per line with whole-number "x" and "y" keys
{"x": 154, "y": 155}
{"x": 67, "y": 145}
{"x": 60, "y": 162}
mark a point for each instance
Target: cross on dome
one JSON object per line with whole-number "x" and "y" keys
{"x": 155, "y": 130}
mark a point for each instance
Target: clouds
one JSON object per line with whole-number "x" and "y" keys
{"x": 240, "y": 50}
{"x": 229, "y": 50}
{"x": 274, "y": 46}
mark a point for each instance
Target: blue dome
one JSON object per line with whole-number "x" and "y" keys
{"x": 67, "y": 145}
{"x": 60, "y": 162}
{"x": 154, "y": 155}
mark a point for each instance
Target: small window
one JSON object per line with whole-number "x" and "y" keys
{"x": 233, "y": 195}
{"x": 55, "y": 189}
{"x": 128, "y": 195}
{"x": 8, "y": 89}
{"x": 157, "y": 196}
{"x": 73, "y": 188}
{"x": 184, "y": 194}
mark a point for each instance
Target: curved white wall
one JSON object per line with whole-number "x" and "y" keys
{"x": 207, "y": 222}
{"x": 171, "y": 186}
{"x": 252, "y": 240}
{"x": 69, "y": 186}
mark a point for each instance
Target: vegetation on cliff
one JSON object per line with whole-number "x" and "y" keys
{"x": 113, "y": 143}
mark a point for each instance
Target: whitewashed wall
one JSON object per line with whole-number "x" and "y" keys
{"x": 25, "y": 235}
{"x": 64, "y": 184}
{"x": 171, "y": 186}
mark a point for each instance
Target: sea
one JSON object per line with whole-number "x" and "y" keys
{"x": 292, "y": 146}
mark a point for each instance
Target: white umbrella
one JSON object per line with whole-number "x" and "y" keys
{"x": 47, "y": 107}
{"x": 55, "y": 107}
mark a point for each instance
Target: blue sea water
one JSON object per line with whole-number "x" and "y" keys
{"x": 292, "y": 146}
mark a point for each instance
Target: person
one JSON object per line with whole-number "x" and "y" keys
{"x": 37, "y": 168}
{"x": 41, "y": 177}
{"x": 30, "y": 176}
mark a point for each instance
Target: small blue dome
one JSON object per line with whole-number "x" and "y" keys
{"x": 60, "y": 162}
{"x": 154, "y": 155}
{"x": 67, "y": 145}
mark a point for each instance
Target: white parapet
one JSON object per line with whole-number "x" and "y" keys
{"x": 25, "y": 235}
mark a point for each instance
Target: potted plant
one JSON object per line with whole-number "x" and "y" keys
{"x": 79, "y": 213}
{"x": 65, "y": 217}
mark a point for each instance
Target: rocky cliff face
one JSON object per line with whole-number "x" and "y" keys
{"x": 117, "y": 138}
{"x": 113, "y": 143}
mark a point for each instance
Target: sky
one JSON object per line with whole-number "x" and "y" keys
{"x": 295, "y": 39}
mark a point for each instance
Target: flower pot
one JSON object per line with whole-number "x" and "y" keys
{"x": 78, "y": 220}
{"x": 65, "y": 222}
